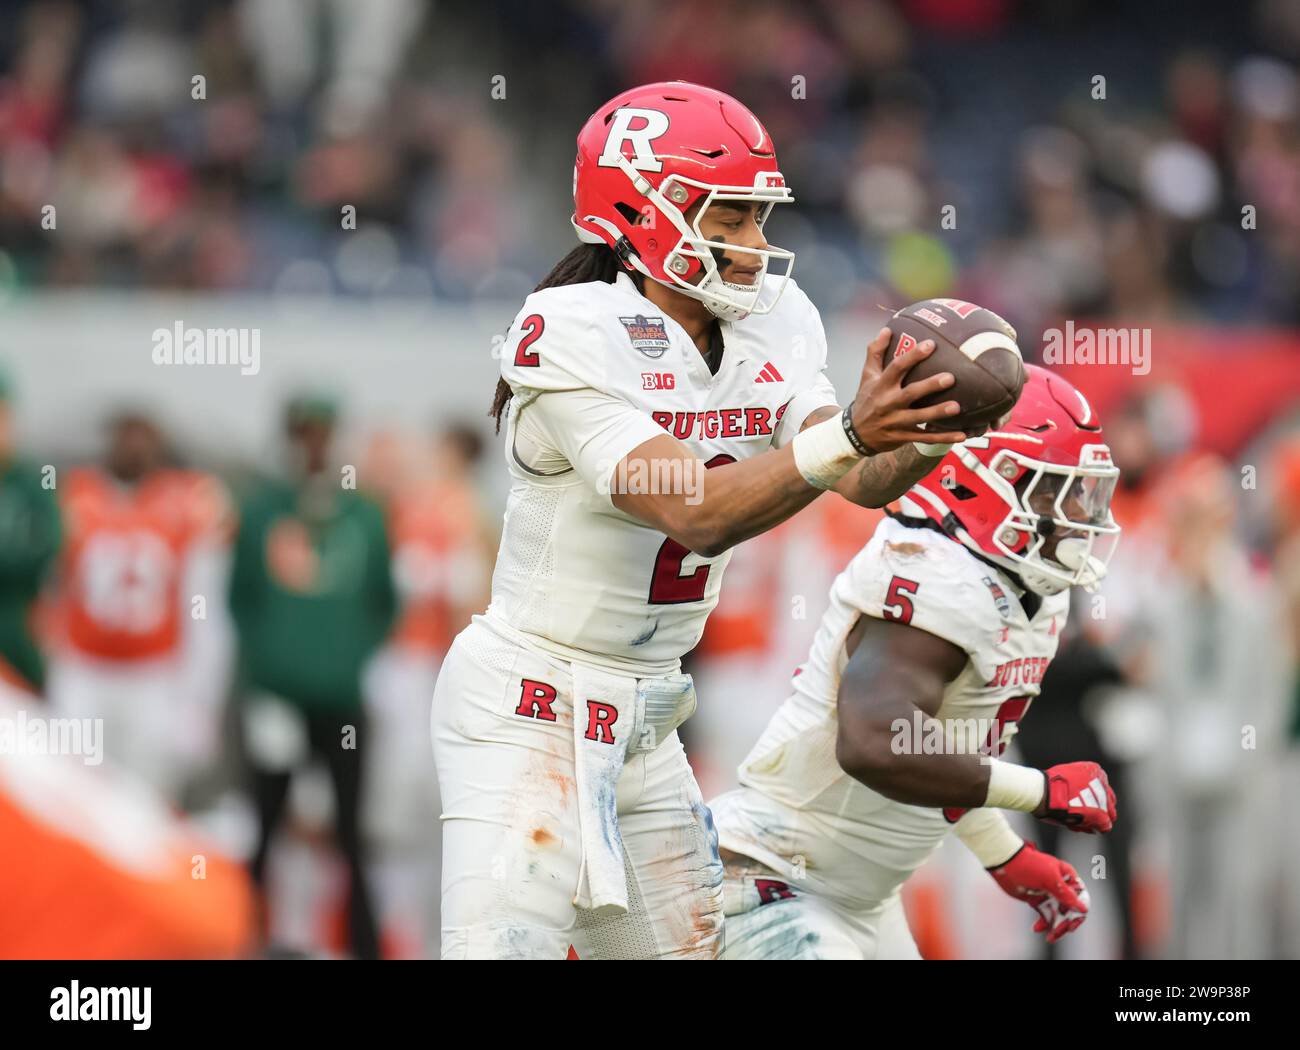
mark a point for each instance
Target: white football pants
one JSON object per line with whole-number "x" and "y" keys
{"x": 511, "y": 843}
{"x": 768, "y": 918}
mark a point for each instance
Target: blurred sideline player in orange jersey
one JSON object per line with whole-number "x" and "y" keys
{"x": 140, "y": 637}
{"x": 779, "y": 584}
{"x": 95, "y": 866}
{"x": 442, "y": 547}
{"x": 442, "y": 565}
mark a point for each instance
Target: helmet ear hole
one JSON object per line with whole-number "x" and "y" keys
{"x": 628, "y": 212}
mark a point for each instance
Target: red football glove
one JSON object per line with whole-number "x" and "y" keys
{"x": 1078, "y": 797}
{"x": 1049, "y": 885}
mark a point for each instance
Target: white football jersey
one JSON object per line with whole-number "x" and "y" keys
{"x": 803, "y": 816}
{"x": 597, "y": 369}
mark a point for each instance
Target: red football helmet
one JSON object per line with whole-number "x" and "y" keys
{"x": 1034, "y": 494}
{"x": 647, "y": 157}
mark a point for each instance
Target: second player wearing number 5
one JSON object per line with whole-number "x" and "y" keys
{"x": 934, "y": 645}
{"x": 663, "y": 398}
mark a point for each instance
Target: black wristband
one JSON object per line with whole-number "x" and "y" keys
{"x": 859, "y": 446}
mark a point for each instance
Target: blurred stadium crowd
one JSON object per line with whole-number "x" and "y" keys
{"x": 449, "y": 128}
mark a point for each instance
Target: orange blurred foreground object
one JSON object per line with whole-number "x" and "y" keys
{"x": 94, "y": 866}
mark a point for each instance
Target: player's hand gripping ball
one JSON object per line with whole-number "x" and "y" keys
{"x": 976, "y": 345}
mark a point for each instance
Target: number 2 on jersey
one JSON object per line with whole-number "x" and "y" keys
{"x": 534, "y": 325}
{"x": 667, "y": 584}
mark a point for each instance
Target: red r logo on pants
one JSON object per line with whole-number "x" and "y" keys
{"x": 600, "y": 721}
{"x": 535, "y": 700}
{"x": 770, "y": 890}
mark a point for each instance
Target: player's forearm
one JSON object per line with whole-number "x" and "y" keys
{"x": 710, "y": 510}
{"x": 748, "y": 500}
{"x": 881, "y": 479}
{"x": 905, "y": 759}
{"x": 890, "y": 760}
{"x": 738, "y": 501}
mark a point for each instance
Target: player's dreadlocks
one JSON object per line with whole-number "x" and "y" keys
{"x": 586, "y": 263}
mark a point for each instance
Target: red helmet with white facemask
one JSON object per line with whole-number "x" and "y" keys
{"x": 1033, "y": 495}
{"x": 646, "y": 157}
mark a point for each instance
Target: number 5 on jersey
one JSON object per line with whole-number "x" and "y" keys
{"x": 898, "y": 599}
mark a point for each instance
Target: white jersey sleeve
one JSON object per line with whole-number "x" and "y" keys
{"x": 563, "y": 417}
{"x": 554, "y": 345}
{"x": 920, "y": 578}
{"x": 812, "y": 389}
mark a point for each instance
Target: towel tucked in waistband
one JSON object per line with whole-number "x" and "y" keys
{"x": 615, "y": 716}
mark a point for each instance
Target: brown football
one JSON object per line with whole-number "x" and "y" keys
{"x": 973, "y": 343}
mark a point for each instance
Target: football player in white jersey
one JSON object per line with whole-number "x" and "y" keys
{"x": 934, "y": 645}
{"x": 664, "y": 399}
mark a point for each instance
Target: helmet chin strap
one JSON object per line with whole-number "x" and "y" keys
{"x": 1019, "y": 574}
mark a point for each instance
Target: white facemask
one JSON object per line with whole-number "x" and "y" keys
{"x": 1072, "y": 554}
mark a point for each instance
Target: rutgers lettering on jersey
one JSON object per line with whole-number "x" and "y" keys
{"x": 1025, "y": 670}
{"x": 719, "y": 422}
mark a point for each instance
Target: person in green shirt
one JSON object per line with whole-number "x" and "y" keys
{"x": 312, "y": 599}
{"x": 30, "y": 534}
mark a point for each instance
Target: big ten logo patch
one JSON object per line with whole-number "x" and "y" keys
{"x": 658, "y": 381}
